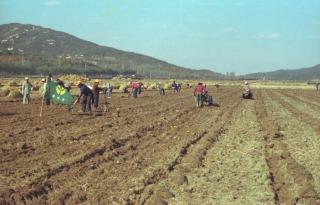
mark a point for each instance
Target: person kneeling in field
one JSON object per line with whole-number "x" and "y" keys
{"x": 199, "y": 91}
{"x": 206, "y": 97}
{"x": 86, "y": 95}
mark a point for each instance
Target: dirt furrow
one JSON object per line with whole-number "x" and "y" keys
{"x": 300, "y": 97}
{"x": 302, "y": 115}
{"x": 141, "y": 161}
{"x": 173, "y": 119}
{"x": 191, "y": 156}
{"x": 292, "y": 183}
{"x": 234, "y": 170}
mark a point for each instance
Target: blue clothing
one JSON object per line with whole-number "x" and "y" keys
{"x": 87, "y": 95}
{"x": 85, "y": 90}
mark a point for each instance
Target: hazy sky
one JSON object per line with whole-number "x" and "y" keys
{"x": 223, "y": 35}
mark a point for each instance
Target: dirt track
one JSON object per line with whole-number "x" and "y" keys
{"x": 162, "y": 150}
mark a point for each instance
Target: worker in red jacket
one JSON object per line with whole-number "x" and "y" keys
{"x": 134, "y": 89}
{"x": 199, "y": 91}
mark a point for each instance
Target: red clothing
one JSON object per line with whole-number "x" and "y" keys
{"x": 199, "y": 89}
{"x": 134, "y": 86}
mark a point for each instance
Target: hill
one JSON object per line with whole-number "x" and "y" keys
{"x": 34, "y": 49}
{"x": 297, "y": 74}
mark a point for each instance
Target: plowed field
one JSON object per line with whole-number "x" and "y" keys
{"x": 158, "y": 150}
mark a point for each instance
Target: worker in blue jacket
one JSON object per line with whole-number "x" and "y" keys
{"x": 85, "y": 95}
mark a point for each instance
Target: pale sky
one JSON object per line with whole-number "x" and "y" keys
{"x": 242, "y": 36}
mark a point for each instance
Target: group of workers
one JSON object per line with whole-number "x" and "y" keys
{"x": 90, "y": 95}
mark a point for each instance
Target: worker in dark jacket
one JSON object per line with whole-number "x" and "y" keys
{"x": 96, "y": 90}
{"x": 85, "y": 95}
{"x": 60, "y": 82}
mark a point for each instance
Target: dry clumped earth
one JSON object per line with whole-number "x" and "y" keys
{"x": 158, "y": 150}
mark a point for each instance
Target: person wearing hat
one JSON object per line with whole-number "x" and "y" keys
{"x": 43, "y": 91}
{"x": 85, "y": 96}
{"x": 246, "y": 85}
{"x": 96, "y": 90}
{"x": 25, "y": 90}
{"x": 60, "y": 82}
{"x": 247, "y": 92}
{"x": 198, "y": 93}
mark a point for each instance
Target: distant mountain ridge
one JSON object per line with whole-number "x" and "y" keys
{"x": 296, "y": 74}
{"x": 43, "y": 49}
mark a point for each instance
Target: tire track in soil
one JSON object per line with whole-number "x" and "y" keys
{"x": 291, "y": 182}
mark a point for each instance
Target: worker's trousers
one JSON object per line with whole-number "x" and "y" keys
{"x": 26, "y": 98}
{"x": 86, "y": 103}
{"x": 199, "y": 99}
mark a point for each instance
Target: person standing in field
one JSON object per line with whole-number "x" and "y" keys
{"x": 43, "y": 91}
{"x": 109, "y": 90}
{"x": 198, "y": 92}
{"x": 161, "y": 91}
{"x": 140, "y": 85}
{"x": 134, "y": 89}
{"x": 96, "y": 90}
{"x": 85, "y": 96}
{"x": 25, "y": 90}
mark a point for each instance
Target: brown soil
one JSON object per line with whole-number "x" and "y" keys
{"x": 163, "y": 150}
